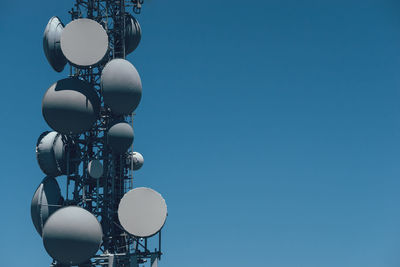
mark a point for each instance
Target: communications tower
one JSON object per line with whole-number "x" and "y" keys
{"x": 98, "y": 218}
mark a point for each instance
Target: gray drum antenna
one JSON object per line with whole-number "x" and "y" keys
{"x": 101, "y": 219}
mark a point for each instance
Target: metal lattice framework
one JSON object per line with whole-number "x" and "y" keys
{"x": 102, "y": 196}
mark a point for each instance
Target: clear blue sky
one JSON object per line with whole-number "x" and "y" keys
{"x": 272, "y": 129}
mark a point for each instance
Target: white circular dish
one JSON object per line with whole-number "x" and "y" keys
{"x": 84, "y": 42}
{"x": 142, "y": 212}
{"x": 72, "y": 235}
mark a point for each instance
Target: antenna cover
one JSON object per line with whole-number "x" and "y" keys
{"x": 72, "y": 235}
{"x": 120, "y": 137}
{"x": 71, "y": 106}
{"x": 135, "y": 161}
{"x": 133, "y": 34}
{"x": 142, "y": 212}
{"x": 45, "y": 202}
{"x": 51, "y": 44}
{"x": 84, "y": 43}
{"x": 121, "y": 86}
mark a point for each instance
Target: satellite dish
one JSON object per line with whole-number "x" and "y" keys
{"x": 120, "y": 137}
{"x": 51, "y": 44}
{"x": 84, "y": 42}
{"x": 133, "y": 34}
{"x": 70, "y": 106}
{"x": 142, "y": 212}
{"x": 72, "y": 235}
{"x": 135, "y": 161}
{"x": 121, "y": 86}
{"x": 45, "y": 202}
{"x": 95, "y": 168}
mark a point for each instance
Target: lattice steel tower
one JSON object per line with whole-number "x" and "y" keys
{"x": 98, "y": 218}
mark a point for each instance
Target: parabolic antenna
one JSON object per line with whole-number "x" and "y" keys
{"x": 45, "y": 154}
{"x": 70, "y": 106}
{"x": 120, "y": 137}
{"x": 121, "y": 86}
{"x": 135, "y": 160}
{"x": 45, "y": 201}
{"x": 52, "y": 156}
{"x": 95, "y": 169}
{"x": 142, "y": 212}
{"x": 51, "y": 44}
{"x": 133, "y": 34}
{"x": 84, "y": 42}
{"x": 72, "y": 235}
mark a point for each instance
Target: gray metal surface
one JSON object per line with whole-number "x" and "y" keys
{"x": 45, "y": 201}
{"x": 121, "y": 86}
{"x": 120, "y": 137}
{"x": 142, "y": 212}
{"x": 51, "y": 44}
{"x": 95, "y": 168}
{"x": 133, "y": 34}
{"x": 111, "y": 260}
{"x": 136, "y": 160}
{"x": 84, "y": 42}
{"x": 72, "y": 235}
{"x": 70, "y": 106}
{"x": 45, "y": 154}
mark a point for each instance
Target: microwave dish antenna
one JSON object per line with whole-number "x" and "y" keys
{"x": 51, "y": 44}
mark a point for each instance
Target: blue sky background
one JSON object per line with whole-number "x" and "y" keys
{"x": 270, "y": 127}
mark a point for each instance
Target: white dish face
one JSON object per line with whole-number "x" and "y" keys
{"x": 84, "y": 42}
{"x": 142, "y": 212}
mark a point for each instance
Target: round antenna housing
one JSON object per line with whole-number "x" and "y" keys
{"x": 51, "y": 44}
{"x": 72, "y": 235}
{"x": 133, "y": 34}
{"x": 52, "y": 155}
{"x": 142, "y": 212}
{"x": 70, "y": 106}
{"x": 135, "y": 161}
{"x": 84, "y": 42}
{"x": 95, "y": 168}
{"x": 45, "y": 202}
{"x": 121, "y": 86}
{"x": 45, "y": 154}
{"x": 120, "y": 137}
